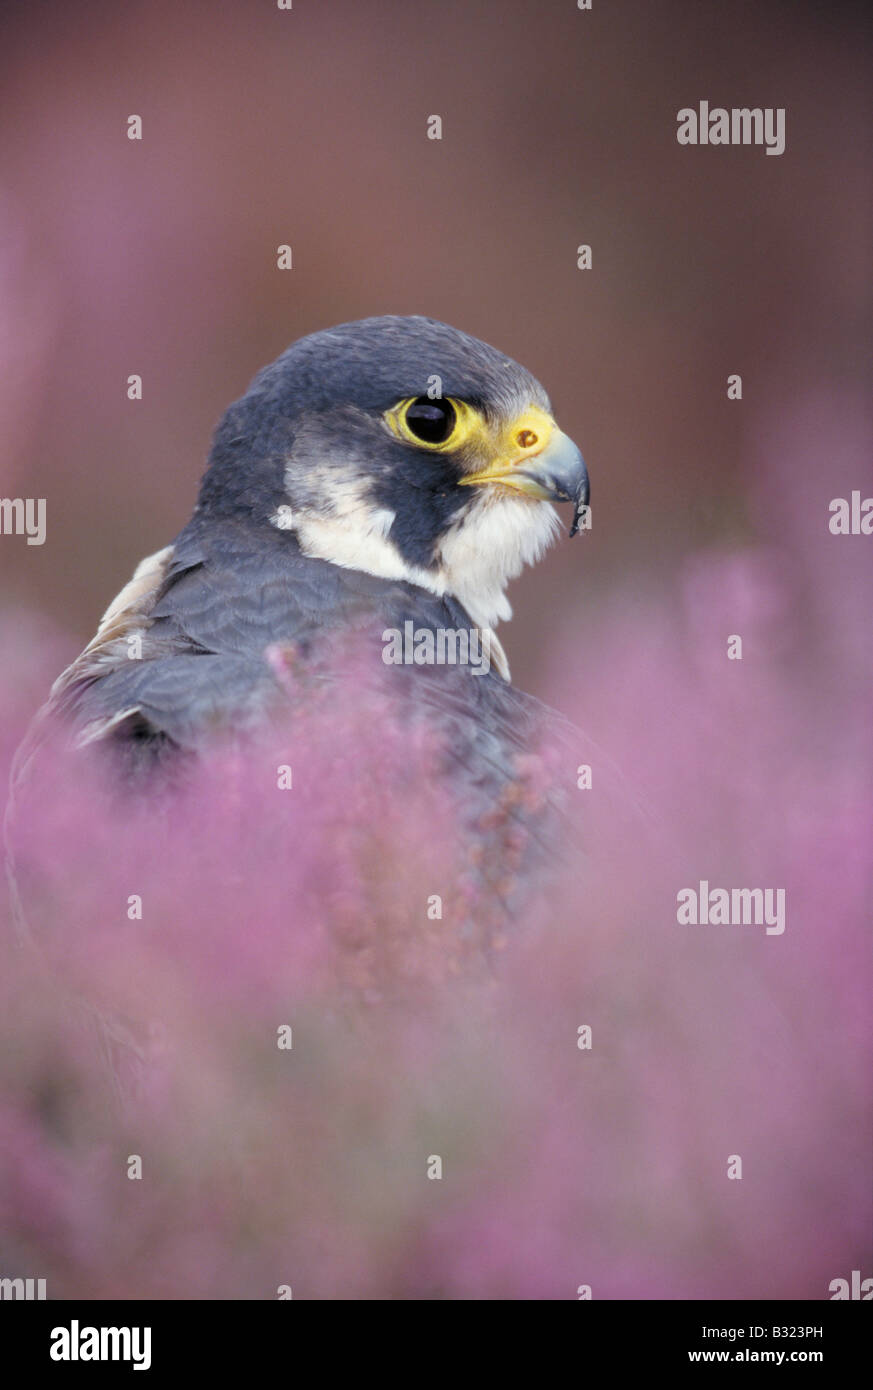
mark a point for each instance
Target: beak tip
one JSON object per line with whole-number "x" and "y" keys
{"x": 568, "y": 477}
{"x": 580, "y": 504}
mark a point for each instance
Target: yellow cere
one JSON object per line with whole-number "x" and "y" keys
{"x": 496, "y": 450}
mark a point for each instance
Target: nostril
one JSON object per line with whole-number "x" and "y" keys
{"x": 526, "y": 439}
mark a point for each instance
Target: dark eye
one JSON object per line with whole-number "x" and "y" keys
{"x": 430, "y": 421}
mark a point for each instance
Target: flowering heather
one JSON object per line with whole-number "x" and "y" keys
{"x": 417, "y": 1036}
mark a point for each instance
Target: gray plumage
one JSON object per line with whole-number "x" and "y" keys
{"x": 310, "y": 435}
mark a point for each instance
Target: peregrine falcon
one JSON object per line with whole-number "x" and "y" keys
{"x": 381, "y": 481}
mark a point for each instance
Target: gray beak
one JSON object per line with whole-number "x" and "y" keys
{"x": 559, "y": 474}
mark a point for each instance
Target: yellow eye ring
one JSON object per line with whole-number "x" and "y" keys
{"x": 439, "y": 425}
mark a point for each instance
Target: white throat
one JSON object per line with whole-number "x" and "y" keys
{"x": 478, "y": 557}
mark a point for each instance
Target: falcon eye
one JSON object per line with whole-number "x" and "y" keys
{"x": 430, "y": 421}
{"x": 446, "y": 425}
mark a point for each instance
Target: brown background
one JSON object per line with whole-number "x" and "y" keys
{"x": 308, "y": 127}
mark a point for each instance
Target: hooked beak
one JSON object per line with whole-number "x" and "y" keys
{"x": 551, "y": 468}
{"x": 558, "y": 474}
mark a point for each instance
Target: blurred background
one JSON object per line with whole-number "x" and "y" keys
{"x": 263, "y": 127}
{"x": 308, "y": 127}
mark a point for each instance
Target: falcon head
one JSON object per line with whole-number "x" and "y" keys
{"x": 404, "y": 448}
